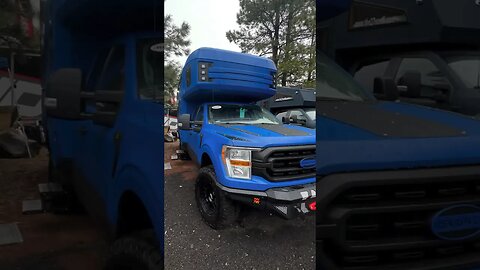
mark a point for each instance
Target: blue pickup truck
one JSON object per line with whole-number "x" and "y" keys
{"x": 398, "y": 185}
{"x": 246, "y": 156}
{"x": 103, "y": 98}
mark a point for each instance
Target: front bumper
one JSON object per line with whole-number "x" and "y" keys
{"x": 287, "y": 202}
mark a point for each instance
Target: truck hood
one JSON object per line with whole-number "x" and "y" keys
{"x": 368, "y": 136}
{"x": 266, "y": 135}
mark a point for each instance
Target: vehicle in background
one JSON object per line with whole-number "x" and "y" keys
{"x": 298, "y": 116}
{"x": 103, "y": 105}
{"x": 246, "y": 156}
{"x": 170, "y": 124}
{"x": 293, "y": 106}
{"x": 432, "y": 62}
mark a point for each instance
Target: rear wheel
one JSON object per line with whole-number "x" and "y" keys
{"x": 216, "y": 209}
{"x": 136, "y": 252}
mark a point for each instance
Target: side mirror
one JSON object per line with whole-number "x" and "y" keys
{"x": 184, "y": 122}
{"x": 285, "y": 120}
{"x": 107, "y": 104}
{"x": 413, "y": 81}
{"x": 63, "y": 94}
{"x": 384, "y": 88}
{"x": 443, "y": 92}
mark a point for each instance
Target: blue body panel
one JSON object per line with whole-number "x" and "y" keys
{"x": 110, "y": 161}
{"x": 238, "y": 79}
{"x": 214, "y": 137}
{"x": 370, "y": 152}
{"x": 232, "y": 76}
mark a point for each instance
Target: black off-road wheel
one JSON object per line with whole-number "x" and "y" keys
{"x": 135, "y": 252}
{"x": 216, "y": 209}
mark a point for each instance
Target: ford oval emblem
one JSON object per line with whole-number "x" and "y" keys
{"x": 308, "y": 163}
{"x": 458, "y": 222}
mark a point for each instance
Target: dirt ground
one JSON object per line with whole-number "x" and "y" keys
{"x": 51, "y": 242}
{"x": 258, "y": 241}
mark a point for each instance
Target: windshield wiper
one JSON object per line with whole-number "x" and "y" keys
{"x": 333, "y": 99}
{"x": 233, "y": 123}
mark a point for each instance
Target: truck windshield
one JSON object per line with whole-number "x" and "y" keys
{"x": 240, "y": 114}
{"x": 150, "y": 69}
{"x": 334, "y": 83}
{"x": 467, "y": 68}
{"x": 311, "y": 112}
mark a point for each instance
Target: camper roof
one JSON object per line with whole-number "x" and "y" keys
{"x": 290, "y": 98}
{"x": 212, "y": 54}
{"x": 219, "y": 75}
{"x": 399, "y": 22}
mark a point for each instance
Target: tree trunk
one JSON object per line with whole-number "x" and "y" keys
{"x": 312, "y": 63}
{"x": 276, "y": 37}
{"x": 288, "y": 43}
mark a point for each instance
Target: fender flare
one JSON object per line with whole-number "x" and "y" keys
{"x": 130, "y": 178}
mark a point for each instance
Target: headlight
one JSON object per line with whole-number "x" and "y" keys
{"x": 238, "y": 161}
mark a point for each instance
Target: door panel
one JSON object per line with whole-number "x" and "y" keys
{"x": 196, "y": 133}
{"x": 99, "y": 145}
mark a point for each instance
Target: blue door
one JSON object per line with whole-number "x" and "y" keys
{"x": 196, "y": 132}
{"x": 99, "y": 147}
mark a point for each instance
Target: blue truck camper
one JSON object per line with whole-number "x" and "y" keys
{"x": 246, "y": 156}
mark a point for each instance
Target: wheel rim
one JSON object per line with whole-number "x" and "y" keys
{"x": 207, "y": 197}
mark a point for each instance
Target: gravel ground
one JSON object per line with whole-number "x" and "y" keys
{"x": 259, "y": 241}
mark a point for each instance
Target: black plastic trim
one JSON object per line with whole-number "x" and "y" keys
{"x": 332, "y": 214}
{"x": 264, "y": 165}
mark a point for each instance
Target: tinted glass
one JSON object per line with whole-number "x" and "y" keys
{"x": 311, "y": 113}
{"x": 199, "y": 116}
{"x": 431, "y": 75}
{"x": 468, "y": 69}
{"x": 335, "y": 83}
{"x": 113, "y": 74}
{"x": 240, "y": 114}
{"x": 367, "y": 74}
{"x": 150, "y": 69}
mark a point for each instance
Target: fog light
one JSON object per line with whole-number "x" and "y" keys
{"x": 312, "y": 206}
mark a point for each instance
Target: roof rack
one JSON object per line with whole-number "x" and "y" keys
{"x": 286, "y": 98}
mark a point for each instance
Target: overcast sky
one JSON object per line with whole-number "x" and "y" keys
{"x": 209, "y": 21}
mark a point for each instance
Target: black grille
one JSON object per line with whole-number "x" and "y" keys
{"x": 283, "y": 163}
{"x": 383, "y": 219}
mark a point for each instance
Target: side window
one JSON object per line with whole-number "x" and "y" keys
{"x": 113, "y": 73}
{"x": 96, "y": 70}
{"x": 367, "y": 74}
{"x": 111, "y": 79}
{"x": 199, "y": 115}
{"x": 281, "y": 116}
{"x": 430, "y": 74}
{"x": 299, "y": 115}
{"x": 150, "y": 69}
{"x": 188, "y": 76}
